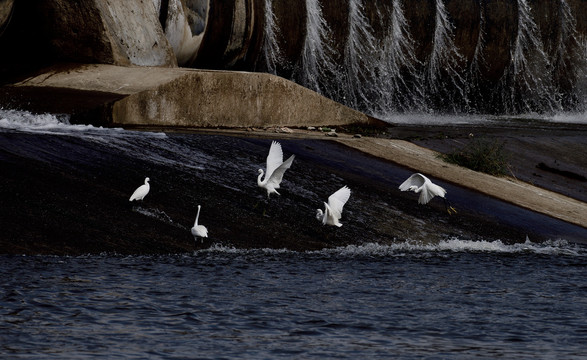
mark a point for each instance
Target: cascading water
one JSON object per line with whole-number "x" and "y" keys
{"x": 443, "y": 81}
{"x": 400, "y": 83}
{"x": 473, "y": 77}
{"x": 358, "y": 73}
{"x": 379, "y": 72}
{"x": 526, "y": 84}
{"x": 567, "y": 52}
{"x": 271, "y": 54}
{"x": 315, "y": 66}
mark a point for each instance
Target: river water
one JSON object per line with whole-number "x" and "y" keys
{"x": 456, "y": 299}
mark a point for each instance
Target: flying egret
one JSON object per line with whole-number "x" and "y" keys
{"x": 419, "y": 183}
{"x": 141, "y": 191}
{"x": 199, "y": 230}
{"x": 275, "y": 169}
{"x": 333, "y": 210}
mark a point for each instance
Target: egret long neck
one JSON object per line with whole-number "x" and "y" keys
{"x": 259, "y": 182}
{"x": 197, "y": 216}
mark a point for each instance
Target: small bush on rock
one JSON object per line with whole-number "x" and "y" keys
{"x": 481, "y": 155}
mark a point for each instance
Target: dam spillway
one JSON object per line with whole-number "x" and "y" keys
{"x": 378, "y": 57}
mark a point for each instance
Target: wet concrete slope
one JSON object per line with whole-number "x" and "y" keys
{"x": 68, "y": 194}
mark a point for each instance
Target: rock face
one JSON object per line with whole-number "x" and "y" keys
{"x": 6, "y": 7}
{"x": 92, "y": 31}
{"x": 154, "y": 96}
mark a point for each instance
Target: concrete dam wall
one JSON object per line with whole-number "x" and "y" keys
{"x": 491, "y": 56}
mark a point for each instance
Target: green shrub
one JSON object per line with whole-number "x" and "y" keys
{"x": 481, "y": 155}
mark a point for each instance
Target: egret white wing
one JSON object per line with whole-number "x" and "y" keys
{"x": 425, "y": 196}
{"x": 337, "y": 200}
{"x": 139, "y": 193}
{"x": 429, "y": 191}
{"x": 277, "y": 175}
{"x": 274, "y": 158}
{"x": 416, "y": 179}
{"x": 326, "y": 214}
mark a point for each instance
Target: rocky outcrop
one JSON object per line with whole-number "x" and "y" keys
{"x": 177, "y": 97}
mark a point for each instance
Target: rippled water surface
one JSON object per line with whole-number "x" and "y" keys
{"x": 456, "y": 299}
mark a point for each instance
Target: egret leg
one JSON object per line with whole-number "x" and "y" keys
{"x": 449, "y": 208}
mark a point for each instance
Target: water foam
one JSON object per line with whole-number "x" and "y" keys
{"x": 453, "y": 245}
{"x": 159, "y": 215}
{"x": 54, "y": 124}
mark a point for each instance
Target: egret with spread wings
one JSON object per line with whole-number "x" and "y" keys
{"x": 333, "y": 209}
{"x": 419, "y": 183}
{"x": 276, "y": 167}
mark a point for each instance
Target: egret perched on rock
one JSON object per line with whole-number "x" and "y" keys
{"x": 199, "y": 230}
{"x": 419, "y": 183}
{"x": 141, "y": 191}
{"x": 276, "y": 167}
{"x": 333, "y": 209}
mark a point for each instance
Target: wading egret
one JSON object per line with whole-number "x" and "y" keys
{"x": 141, "y": 191}
{"x": 275, "y": 169}
{"x": 199, "y": 230}
{"x": 419, "y": 183}
{"x": 333, "y": 210}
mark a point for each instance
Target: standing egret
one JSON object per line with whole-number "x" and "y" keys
{"x": 275, "y": 169}
{"x": 333, "y": 210}
{"x": 419, "y": 183}
{"x": 141, "y": 191}
{"x": 199, "y": 230}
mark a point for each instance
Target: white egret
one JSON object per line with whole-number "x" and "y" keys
{"x": 333, "y": 209}
{"x": 276, "y": 167}
{"x": 419, "y": 183}
{"x": 141, "y": 191}
{"x": 199, "y": 230}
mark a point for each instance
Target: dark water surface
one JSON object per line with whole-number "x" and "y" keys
{"x": 456, "y": 299}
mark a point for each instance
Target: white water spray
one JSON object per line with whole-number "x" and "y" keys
{"x": 400, "y": 84}
{"x": 358, "y": 70}
{"x": 526, "y": 84}
{"x": 568, "y": 57}
{"x": 443, "y": 72}
{"x": 271, "y": 53}
{"x": 315, "y": 66}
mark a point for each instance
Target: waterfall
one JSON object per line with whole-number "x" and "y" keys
{"x": 473, "y": 75}
{"x": 526, "y": 84}
{"x": 444, "y": 83}
{"x": 358, "y": 70}
{"x": 400, "y": 84}
{"x": 270, "y": 53}
{"x": 568, "y": 59}
{"x": 316, "y": 66}
{"x": 377, "y": 70}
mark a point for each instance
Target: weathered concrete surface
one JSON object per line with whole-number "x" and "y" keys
{"x": 185, "y": 97}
